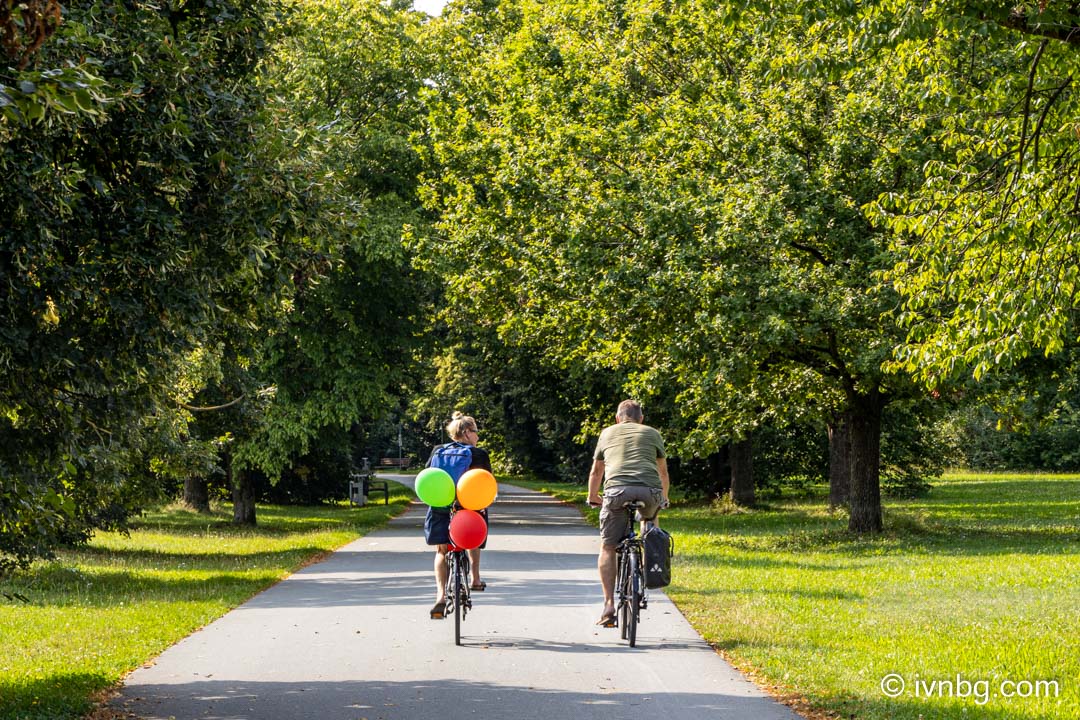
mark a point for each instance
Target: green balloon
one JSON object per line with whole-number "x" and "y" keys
{"x": 435, "y": 487}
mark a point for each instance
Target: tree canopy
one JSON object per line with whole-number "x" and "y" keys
{"x": 235, "y": 233}
{"x": 988, "y": 240}
{"x": 138, "y": 211}
{"x": 666, "y": 192}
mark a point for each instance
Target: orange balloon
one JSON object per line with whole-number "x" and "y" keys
{"x": 476, "y": 489}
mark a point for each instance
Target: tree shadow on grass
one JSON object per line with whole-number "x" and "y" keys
{"x": 974, "y": 541}
{"x": 272, "y": 522}
{"x": 107, "y": 590}
{"x": 1014, "y": 517}
{"x": 785, "y": 593}
{"x": 1026, "y": 503}
{"x": 165, "y": 560}
{"x": 275, "y": 519}
{"x": 56, "y": 585}
{"x": 927, "y": 538}
{"x": 56, "y": 697}
{"x": 915, "y": 538}
{"x": 754, "y": 560}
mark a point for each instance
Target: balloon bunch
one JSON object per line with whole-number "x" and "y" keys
{"x": 474, "y": 491}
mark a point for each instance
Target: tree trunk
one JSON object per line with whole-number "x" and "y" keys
{"x": 243, "y": 494}
{"x": 196, "y": 494}
{"x": 742, "y": 472}
{"x": 839, "y": 462}
{"x": 719, "y": 481}
{"x": 864, "y": 428}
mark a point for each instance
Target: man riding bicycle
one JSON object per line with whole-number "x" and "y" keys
{"x": 631, "y": 461}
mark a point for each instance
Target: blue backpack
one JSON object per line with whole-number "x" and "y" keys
{"x": 455, "y": 458}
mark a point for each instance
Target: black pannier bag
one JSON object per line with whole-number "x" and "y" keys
{"x": 659, "y": 547}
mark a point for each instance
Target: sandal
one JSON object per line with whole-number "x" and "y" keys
{"x": 438, "y": 612}
{"x": 479, "y": 586}
{"x": 607, "y": 621}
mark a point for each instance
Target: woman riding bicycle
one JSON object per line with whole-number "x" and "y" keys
{"x": 631, "y": 461}
{"x": 462, "y": 430}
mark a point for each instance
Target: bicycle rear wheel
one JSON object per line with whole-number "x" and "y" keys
{"x": 634, "y": 599}
{"x": 622, "y": 595}
{"x": 459, "y": 599}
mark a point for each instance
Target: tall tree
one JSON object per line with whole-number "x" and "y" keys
{"x": 742, "y": 472}
{"x": 337, "y": 351}
{"x": 671, "y": 193}
{"x": 141, "y": 210}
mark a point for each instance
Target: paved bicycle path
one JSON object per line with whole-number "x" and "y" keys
{"x": 350, "y": 638}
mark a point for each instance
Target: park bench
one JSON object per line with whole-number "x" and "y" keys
{"x": 400, "y": 463}
{"x": 361, "y": 485}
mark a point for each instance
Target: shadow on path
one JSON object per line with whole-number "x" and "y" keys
{"x": 447, "y": 699}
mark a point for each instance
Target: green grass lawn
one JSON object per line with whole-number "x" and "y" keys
{"x": 95, "y": 614}
{"x": 977, "y": 583}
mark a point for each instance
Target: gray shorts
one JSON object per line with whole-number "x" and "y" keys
{"x": 613, "y": 514}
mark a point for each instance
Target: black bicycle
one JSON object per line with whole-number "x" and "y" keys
{"x": 458, "y": 597}
{"x": 630, "y": 596}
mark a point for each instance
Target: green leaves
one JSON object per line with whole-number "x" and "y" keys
{"x": 653, "y": 199}
{"x": 346, "y": 79}
{"x": 988, "y": 257}
{"x": 33, "y": 95}
{"x": 122, "y": 249}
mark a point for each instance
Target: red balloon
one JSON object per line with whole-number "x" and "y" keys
{"x": 468, "y": 529}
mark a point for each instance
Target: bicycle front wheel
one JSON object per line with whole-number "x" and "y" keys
{"x": 634, "y": 604}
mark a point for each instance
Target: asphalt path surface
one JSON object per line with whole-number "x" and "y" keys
{"x": 350, "y": 638}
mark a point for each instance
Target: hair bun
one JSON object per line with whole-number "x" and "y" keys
{"x": 457, "y": 414}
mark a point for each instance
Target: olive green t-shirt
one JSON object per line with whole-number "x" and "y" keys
{"x": 629, "y": 451}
